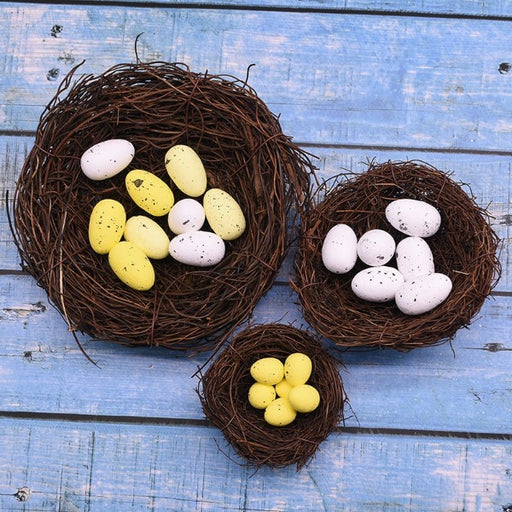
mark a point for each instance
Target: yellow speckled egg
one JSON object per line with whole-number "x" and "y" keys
{"x": 297, "y": 368}
{"x": 149, "y": 192}
{"x": 131, "y": 266}
{"x": 106, "y": 225}
{"x": 267, "y": 370}
{"x": 186, "y": 170}
{"x": 304, "y": 398}
{"x": 283, "y": 388}
{"x": 280, "y": 413}
{"x": 148, "y": 235}
{"x": 223, "y": 214}
{"x": 260, "y": 395}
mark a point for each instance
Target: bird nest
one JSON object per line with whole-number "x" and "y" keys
{"x": 155, "y": 106}
{"x": 464, "y": 248}
{"x": 224, "y": 388}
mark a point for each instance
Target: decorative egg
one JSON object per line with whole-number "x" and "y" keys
{"x": 283, "y": 388}
{"x": 267, "y": 370}
{"x": 280, "y": 413}
{"x": 197, "y": 248}
{"x": 107, "y": 158}
{"x": 377, "y": 284}
{"x": 376, "y": 247}
{"x": 106, "y": 225}
{"x": 186, "y": 215}
{"x": 260, "y": 395}
{"x": 297, "y": 368}
{"x": 423, "y": 293}
{"x": 149, "y": 192}
{"x": 131, "y": 266}
{"x": 414, "y": 257}
{"x": 304, "y": 398}
{"x": 413, "y": 217}
{"x": 186, "y": 170}
{"x": 223, "y": 214}
{"x": 339, "y": 249}
{"x": 146, "y": 234}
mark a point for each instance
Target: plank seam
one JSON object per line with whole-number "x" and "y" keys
{"x": 270, "y": 8}
{"x": 196, "y": 422}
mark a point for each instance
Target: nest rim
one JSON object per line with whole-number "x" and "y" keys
{"x": 465, "y": 248}
{"x": 235, "y": 135}
{"x": 223, "y": 389}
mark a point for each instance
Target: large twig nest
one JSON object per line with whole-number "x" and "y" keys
{"x": 465, "y": 249}
{"x": 225, "y": 384}
{"x": 155, "y": 106}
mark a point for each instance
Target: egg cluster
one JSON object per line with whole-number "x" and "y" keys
{"x": 281, "y": 389}
{"x": 414, "y": 285}
{"x": 144, "y": 238}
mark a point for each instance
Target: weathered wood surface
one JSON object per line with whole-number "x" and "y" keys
{"x": 352, "y": 81}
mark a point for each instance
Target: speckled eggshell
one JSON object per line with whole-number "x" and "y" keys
{"x": 186, "y": 215}
{"x": 106, "y": 225}
{"x": 132, "y": 266}
{"x": 414, "y": 257}
{"x": 339, "y": 249}
{"x": 223, "y": 214}
{"x": 376, "y": 247}
{"x": 186, "y": 170}
{"x": 280, "y": 413}
{"x": 149, "y": 192}
{"x": 423, "y": 294}
{"x": 413, "y": 217}
{"x": 197, "y": 248}
{"x": 148, "y": 235}
{"x": 377, "y": 284}
{"x": 107, "y": 158}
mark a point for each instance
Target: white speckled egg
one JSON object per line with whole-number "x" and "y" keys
{"x": 423, "y": 294}
{"x": 224, "y": 214}
{"x": 414, "y": 257}
{"x": 197, "y": 248}
{"x": 376, "y": 247}
{"x": 413, "y": 217}
{"x": 107, "y": 158}
{"x": 377, "y": 284}
{"x": 186, "y": 170}
{"x": 339, "y": 249}
{"x": 186, "y": 215}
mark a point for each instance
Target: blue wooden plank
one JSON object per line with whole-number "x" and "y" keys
{"x": 126, "y": 467}
{"x": 42, "y": 370}
{"x": 388, "y": 81}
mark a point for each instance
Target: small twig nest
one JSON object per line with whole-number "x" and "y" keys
{"x": 464, "y": 248}
{"x": 225, "y": 384}
{"x": 155, "y": 106}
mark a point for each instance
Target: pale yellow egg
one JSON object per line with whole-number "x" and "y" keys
{"x": 106, "y": 225}
{"x": 224, "y": 214}
{"x": 280, "y": 413}
{"x": 147, "y": 235}
{"x": 304, "y": 398}
{"x": 186, "y": 170}
{"x": 283, "y": 388}
{"x": 131, "y": 266}
{"x": 267, "y": 370}
{"x": 297, "y": 368}
{"x": 260, "y": 395}
{"x": 149, "y": 192}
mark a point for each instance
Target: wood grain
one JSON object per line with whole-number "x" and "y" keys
{"x": 134, "y": 467}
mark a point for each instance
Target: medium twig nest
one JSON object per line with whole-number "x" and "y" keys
{"x": 155, "y": 106}
{"x": 225, "y": 384}
{"x": 464, "y": 248}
